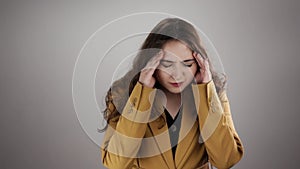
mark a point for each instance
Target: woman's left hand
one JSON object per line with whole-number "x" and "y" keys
{"x": 204, "y": 74}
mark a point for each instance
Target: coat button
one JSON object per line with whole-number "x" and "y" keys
{"x": 215, "y": 106}
{"x": 173, "y": 128}
{"x": 134, "y": 101}
{"x": 135, "y": 167}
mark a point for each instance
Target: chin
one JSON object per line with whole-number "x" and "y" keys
{"x": 176, "y": 90}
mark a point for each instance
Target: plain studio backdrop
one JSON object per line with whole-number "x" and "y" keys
{"x": 258, "y": 42}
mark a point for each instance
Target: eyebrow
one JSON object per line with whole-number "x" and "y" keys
{"x": 187, "y": 60}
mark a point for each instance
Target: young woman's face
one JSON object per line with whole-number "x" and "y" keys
{"x": 177, "y": 67}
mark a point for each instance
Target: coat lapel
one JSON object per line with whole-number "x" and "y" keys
{"x": 162, "y": 139}
{"x": 188, "y": 128}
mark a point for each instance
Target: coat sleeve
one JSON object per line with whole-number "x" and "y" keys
{"x": 124, "y": 134}
{"x": 221, "y": 140}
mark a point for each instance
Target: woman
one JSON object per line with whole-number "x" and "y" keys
{"x": 170, "y": 110}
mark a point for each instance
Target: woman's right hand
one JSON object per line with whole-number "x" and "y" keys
{"x": 146, "y": 76}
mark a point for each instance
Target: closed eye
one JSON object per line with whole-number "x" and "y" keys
{"x": 166, "y": 64}
{"x": 188, "y": 63}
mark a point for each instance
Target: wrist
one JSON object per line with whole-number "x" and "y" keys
{"x": 145, "y": 84}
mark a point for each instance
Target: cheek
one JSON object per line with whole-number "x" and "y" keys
{"x": 190, "y": 75}
{"x": 161, "y": 75}
{"x": 194, "y": 69}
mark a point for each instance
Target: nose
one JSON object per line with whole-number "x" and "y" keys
{"x": 177, "y": 73}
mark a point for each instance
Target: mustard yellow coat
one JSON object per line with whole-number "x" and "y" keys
{"x": 139, "y": 139}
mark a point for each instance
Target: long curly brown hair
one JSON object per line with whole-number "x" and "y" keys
{"x": 166, "y": 30}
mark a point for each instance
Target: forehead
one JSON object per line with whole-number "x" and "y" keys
{"x": 176, "y": 50}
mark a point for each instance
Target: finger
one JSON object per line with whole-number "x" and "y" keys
{"x": 156, "y": 59}
{"x": 196, "y": 57}
{"x": 206, "y": 63}
{"x": 151, "y": 66}
{"x": 199, "y": 59}
{"x": 159, "y": 56}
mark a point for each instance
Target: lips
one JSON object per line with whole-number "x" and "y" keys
{"x": 176, "y": 84}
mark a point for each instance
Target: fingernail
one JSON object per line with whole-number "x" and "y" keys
{"x": 161, "y": 53}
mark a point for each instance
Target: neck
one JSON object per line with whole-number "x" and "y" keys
{"x": 173, "y": 103}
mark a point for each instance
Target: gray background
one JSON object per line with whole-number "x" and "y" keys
{"x": 257, "y": 40}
